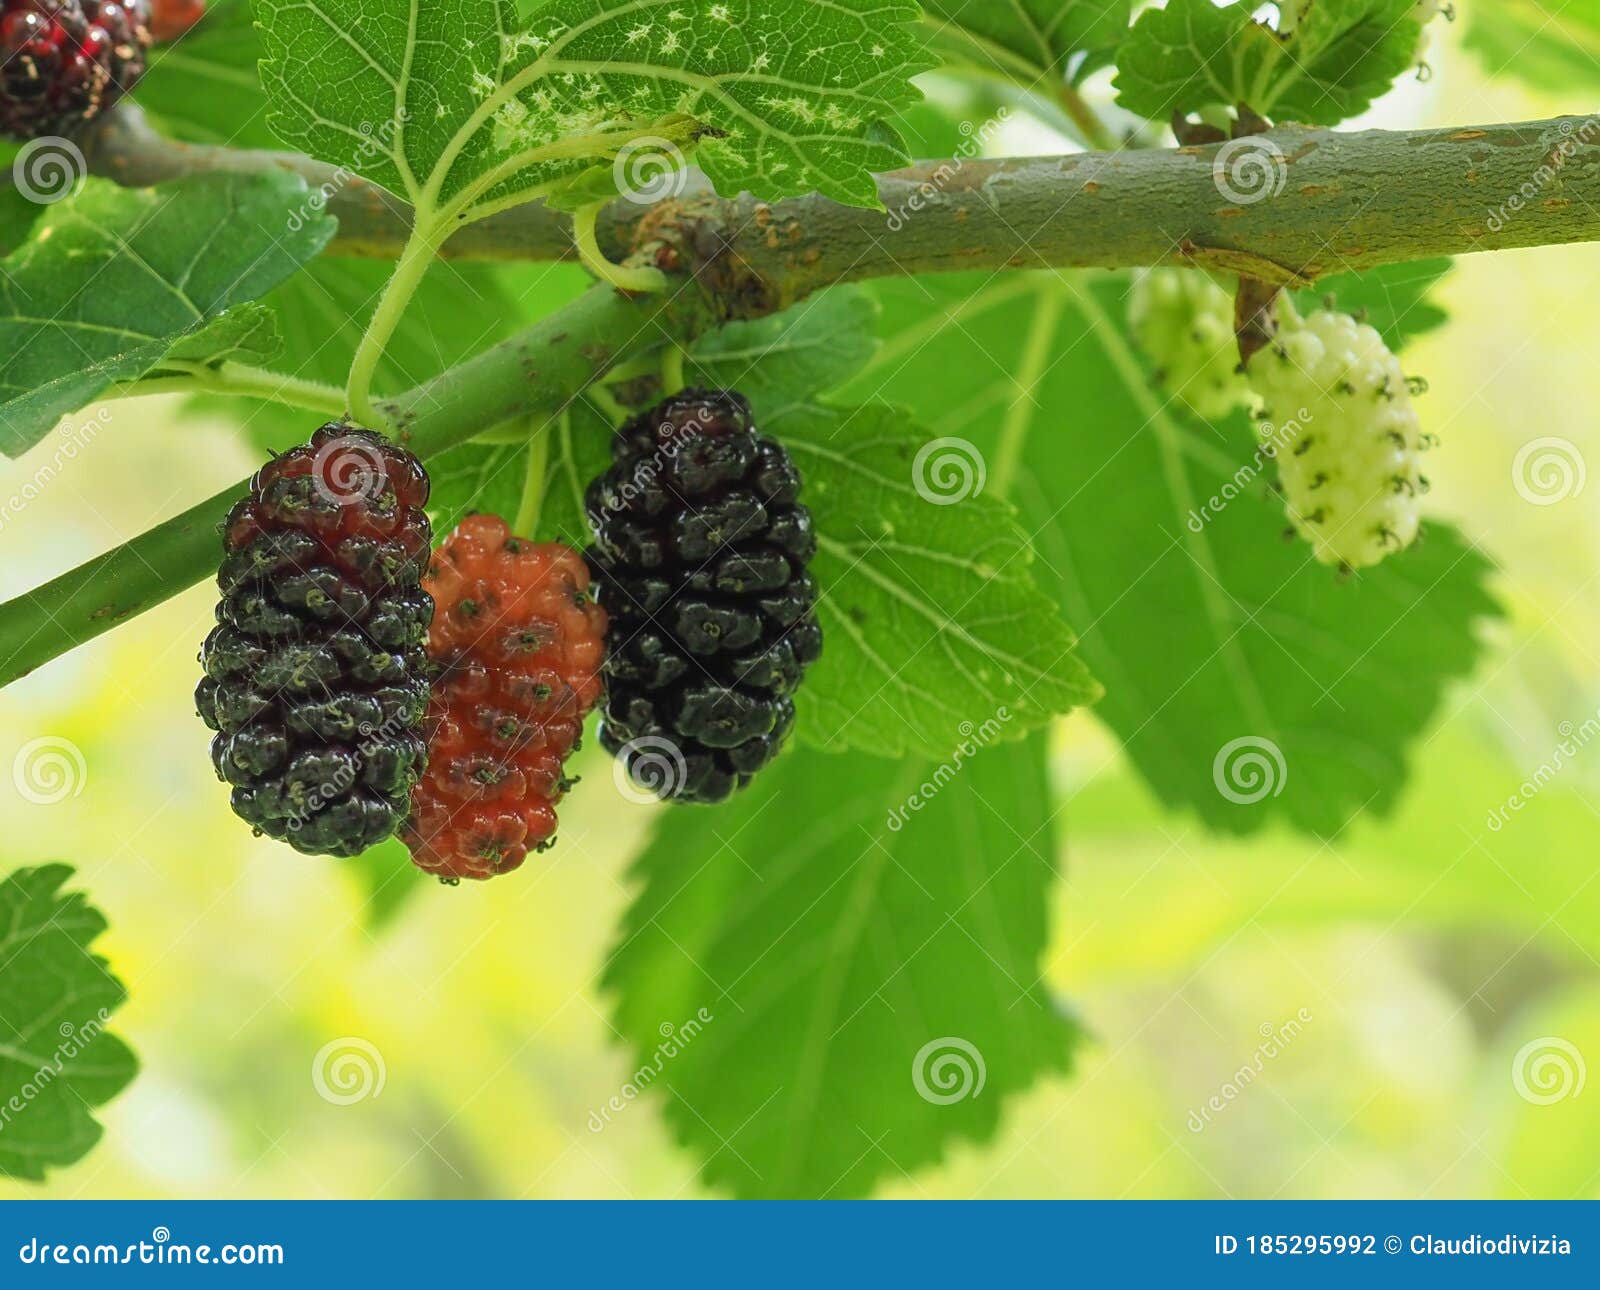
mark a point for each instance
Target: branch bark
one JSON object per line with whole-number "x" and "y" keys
{"x": 1290, "y": 205}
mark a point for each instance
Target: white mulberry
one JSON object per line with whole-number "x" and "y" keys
{"x": 1339, "y": 417}
{"x": 1425, "y": 11}
{"x": 1184, "y": 323}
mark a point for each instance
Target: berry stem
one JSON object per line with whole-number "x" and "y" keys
{"x": 420, "y": 248}
{"x": 533, "y": 485}
{"x": 585, "y": 237}
{"x": 603, "y": 399}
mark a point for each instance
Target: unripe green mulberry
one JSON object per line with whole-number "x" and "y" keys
{"x": 1425, "y": 11}
{"x": 1184, "y": 322}
{"x": 1339, "y": 417}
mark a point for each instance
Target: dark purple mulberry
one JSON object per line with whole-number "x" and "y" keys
{"x": 316, "y": 675}
{"x": 701, "y": 553}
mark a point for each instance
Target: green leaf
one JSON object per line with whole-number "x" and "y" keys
{"x": 1205, "y": 626}
{"x": 204, "y": 88}
{"x": 1394, "y": 298}
{"x": 17, "y": 212}
{"x": 112, "y": 278}
{"x": 933, "y": 621}
{"x": 1340, "y": 56}
{"x": 1030, "y": 40}
{"x": 827, "y": 968}
{"x": 1548, "y": 46}
{"x": 790, "y": 357}
{"x": 461, "y": 108}
{"x": 247, "y": 333}
{"x": 57, "y": 1060}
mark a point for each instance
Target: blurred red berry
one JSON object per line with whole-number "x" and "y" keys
{"x": 64, "y": 62}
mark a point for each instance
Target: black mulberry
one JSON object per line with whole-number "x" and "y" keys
{"x": 316, "y": 673}
{"x": 701, "y": 553}
{"x": 64, "y": 62}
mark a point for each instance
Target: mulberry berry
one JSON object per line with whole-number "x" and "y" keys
{"x": 1339, "y": 417}
{"x": 701, "y": 555}
{"x": 517, "y": 644}
{"x": 1184, "y": 323}
{"x": 64, "y": 62}
{"x": 170, "y": 19}
{"x": 316, "y": 674}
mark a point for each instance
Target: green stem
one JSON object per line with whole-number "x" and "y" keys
{"x": 1085, "y": 118}
{"x": 585, "y": 236}
{"x": 1032, "y": 364}
{"x": 536, "y": 372}
{"x": 533, "y": 485}
{"x": 243, "y": 381}
{"x": 274, "y": 387}
{"x": 673, "y": 358}
{"x": 418, "y": 254}
{"x": 602, "y": 398}
{"x": 506, "y": 436}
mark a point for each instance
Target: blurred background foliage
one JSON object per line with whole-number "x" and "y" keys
{"x": 1425, "y": 949}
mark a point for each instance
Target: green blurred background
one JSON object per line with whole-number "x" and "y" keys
{"x": 1425, "y": 950}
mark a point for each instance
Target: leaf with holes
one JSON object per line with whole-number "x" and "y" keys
{"x": 111, "y": 279}
{"x": 57, "y": 1060}
{"x": 462, "y": 108}
{"x": 1339, "y": 56}
{"x": 1165, "y": 546}
{"x": 843, "y": 1003}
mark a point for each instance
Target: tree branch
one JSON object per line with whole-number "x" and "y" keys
{"x": 1314, "y": 202}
